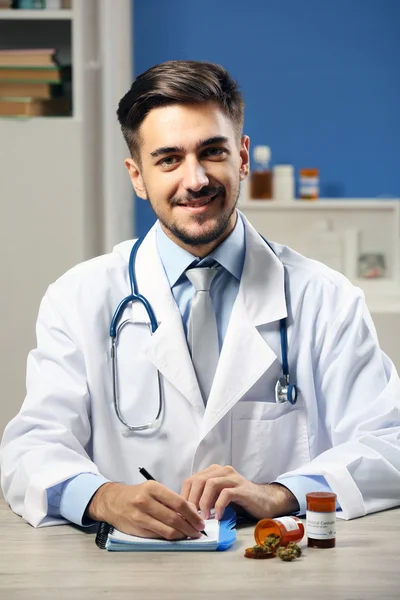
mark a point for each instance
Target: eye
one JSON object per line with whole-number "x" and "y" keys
{"x": 168, "y": 161}
{"x": 215, "y": 152}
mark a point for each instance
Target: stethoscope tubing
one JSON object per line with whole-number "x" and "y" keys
{"x": 135, "y": 296}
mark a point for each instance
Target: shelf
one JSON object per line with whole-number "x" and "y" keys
{"x": 377, "y": 221}
{"x": 25, "y": 119}
{"x": 379, "y": 286}
{"x": 321, "y": 204}
{"x": 382, "y": 294}
{"x": 35, "y": 15}
{"x": 383, "y": 305}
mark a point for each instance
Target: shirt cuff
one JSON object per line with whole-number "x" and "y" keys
{"x": 300, "y": 485}
{"x": 74, "y": 496}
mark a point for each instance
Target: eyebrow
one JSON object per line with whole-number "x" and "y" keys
{"x": 217, "y": 139}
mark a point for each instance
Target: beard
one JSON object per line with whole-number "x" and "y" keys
{"x": 211, "y": 234}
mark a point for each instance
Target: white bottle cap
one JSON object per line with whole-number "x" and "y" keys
{"x": 284, "y": 170}
{"x": 262, "y": 154}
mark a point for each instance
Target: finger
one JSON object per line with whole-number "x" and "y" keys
{"x": 186, "y": 487}
{"x": 199, "y": 481}
{"x": 204, "y": 473}
{"x": 159, "y": 529}
{"x": 210, "y": 469}
{"x": 146, "y": 533}
{"x": 212, "y": 491}
{"x": 173, "y": 520}
{"x": 178, "y": 505}
{"x": 196, "y": 491}
{"x": 226, "y": 497}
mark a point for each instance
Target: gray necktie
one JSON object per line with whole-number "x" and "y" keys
{"x": 202, "y": 329}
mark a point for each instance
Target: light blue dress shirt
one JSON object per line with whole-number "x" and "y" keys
{"x": 70, "y": 498}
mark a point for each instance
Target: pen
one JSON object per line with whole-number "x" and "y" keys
{"x": 149, "y": 477}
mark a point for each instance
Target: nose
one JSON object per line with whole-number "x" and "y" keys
{"x": 195, "y": 177}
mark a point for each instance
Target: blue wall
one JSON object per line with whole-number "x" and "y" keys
{"x": 321, "y": 79}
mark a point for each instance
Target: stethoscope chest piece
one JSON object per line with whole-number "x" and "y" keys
{"x": 285, "y": 391}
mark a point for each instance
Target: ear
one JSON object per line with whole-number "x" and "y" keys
{"x": 244, "y": 157}
{"x": 136, "y": 178}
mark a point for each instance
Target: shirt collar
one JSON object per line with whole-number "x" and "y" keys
{"x": 230, "y": 254}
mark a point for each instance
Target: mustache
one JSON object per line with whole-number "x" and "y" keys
{"x": 205, "y": 191}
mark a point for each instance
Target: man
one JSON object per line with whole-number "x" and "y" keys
{"x": 220, "y": 437}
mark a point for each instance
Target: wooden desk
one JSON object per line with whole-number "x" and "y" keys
{"x": 63, "y": 563}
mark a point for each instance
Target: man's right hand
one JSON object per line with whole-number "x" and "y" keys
{"x": 148, "y": 510}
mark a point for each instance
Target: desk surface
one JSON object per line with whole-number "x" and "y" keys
{"x": 64, "y": 562}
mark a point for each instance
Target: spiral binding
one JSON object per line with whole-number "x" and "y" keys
{"x": 102, "y": 535}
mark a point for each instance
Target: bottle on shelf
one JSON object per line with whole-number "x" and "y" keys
{"x": 309, "y": 184}
{"x": 261, "y": 177}
{"x": 283, "y": 183}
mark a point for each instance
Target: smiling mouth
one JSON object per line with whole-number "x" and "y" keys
{"x": 200, "y": 202}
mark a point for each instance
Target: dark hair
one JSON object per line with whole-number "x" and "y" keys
{"x": 178, "y": 82}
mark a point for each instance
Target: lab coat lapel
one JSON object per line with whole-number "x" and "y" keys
{"x": 245, "y": 355}
{"x": 167, "y": 348}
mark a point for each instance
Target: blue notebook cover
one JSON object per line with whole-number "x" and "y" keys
{"x": 220, "y": 536}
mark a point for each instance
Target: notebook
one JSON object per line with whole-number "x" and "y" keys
{"x": 220, "y": 536}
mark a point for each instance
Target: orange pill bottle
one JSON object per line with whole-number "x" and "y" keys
{"x": 321, "y": 519}
{"x": 289, "y": 529}
{"x": 309, "y": 184}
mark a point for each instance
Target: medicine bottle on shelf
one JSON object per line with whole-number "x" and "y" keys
{"x": 289, "y": 529}
{"x": 309, "y": 184}
{"x": 261, "y": 177}
{"x": 283, "y": 183}
{"x": 321, "y": 519}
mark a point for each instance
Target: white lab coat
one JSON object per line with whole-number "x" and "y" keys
{"x": 345, "y": 425}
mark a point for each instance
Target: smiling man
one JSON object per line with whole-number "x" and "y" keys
{"x": 193, "y": 400}
{"x": 193, "y": 189}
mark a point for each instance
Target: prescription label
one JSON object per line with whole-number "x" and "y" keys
{"x": 320, "y": 526}
{"x": 289, "y": 523}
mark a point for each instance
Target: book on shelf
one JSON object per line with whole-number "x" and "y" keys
{"x": 37, "y": 4}
{"x": 50, "y": 74}
{"x": 32, "y": 83}
{"x": 34, "y": 107}
{"x": 30, "y": 90}
{"x": 29, "y": 4}
{"x": 41, "y": 57}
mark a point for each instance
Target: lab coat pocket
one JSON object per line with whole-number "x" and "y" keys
{"x": 268, "y": 439}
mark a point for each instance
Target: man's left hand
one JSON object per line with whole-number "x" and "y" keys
{"x": 216, "y": 487}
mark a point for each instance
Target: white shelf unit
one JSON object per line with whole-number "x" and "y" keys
{"x": 323, "y": 204}
{"x": 55, "y": 191}
{"x": 37, "y": 15}
{"x": 378, "y": 221}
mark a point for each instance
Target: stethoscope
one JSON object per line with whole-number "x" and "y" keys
{"x": 284, "y": 390}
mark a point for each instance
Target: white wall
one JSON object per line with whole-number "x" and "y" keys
{"x": 41, "y": 235}
{"x": 54, "y": 185}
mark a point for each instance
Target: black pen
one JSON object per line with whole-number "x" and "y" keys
{"x": 149, "y": 477}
